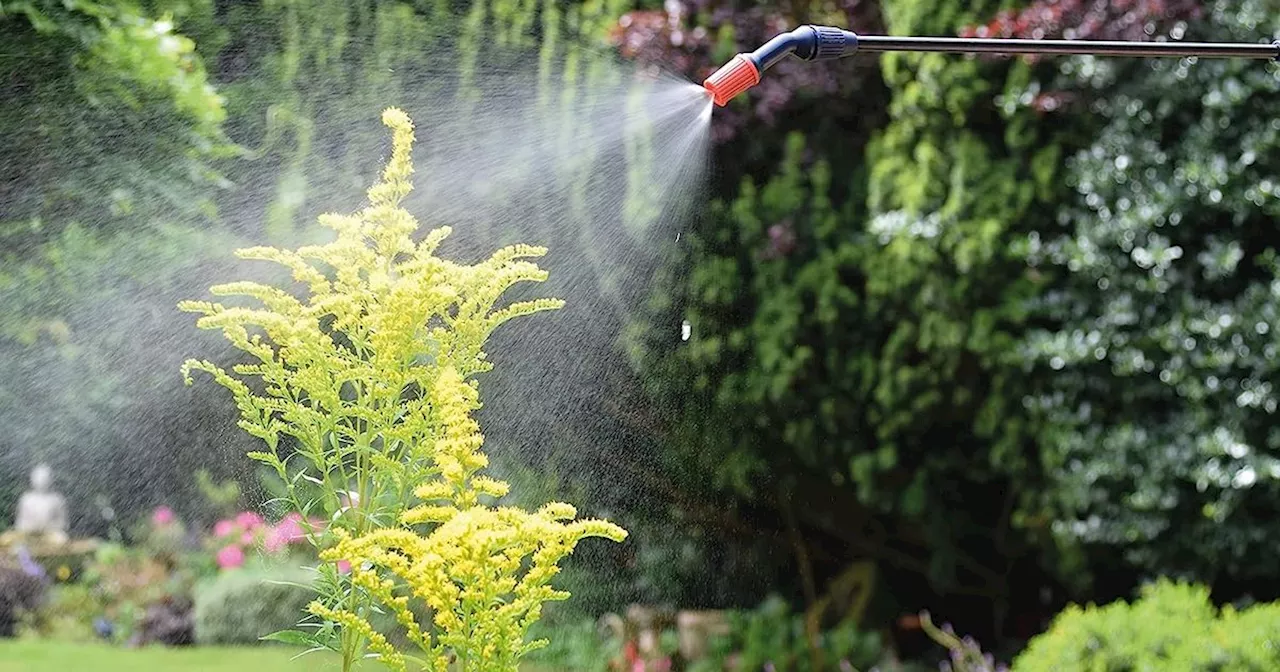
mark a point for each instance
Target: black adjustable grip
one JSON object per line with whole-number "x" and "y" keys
{"x": 832, "y": 43}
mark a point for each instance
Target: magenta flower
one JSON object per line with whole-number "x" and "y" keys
{"x": 163, "y": 516}
{"x": 223, "y": 528}
{"x": 249, "y": 520}
{"x": 290, "y": 529}
{"x": 230, "y": 557}
{"x": 274, "y": 541}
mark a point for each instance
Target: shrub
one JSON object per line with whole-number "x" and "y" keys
{"x": 170, "y": 621}
{"x": 128, "y": 581}
{"x": 773, "y": 637}
{"x": 239, "y": 607}
{"x": 1172, "y": 627}
{"x": 20, "y": 592}
{"x": 67, "y": 614}
{"x": 578, "y": 645}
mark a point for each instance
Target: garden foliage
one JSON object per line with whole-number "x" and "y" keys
{"x": 119, "y": 93}
{"x": 773, "y": 637}
{"x": 112, "y": 131}
{"x": 857, "y": 330}
{"x": 1032, "y": 338}
{"x": 975, "y": 313}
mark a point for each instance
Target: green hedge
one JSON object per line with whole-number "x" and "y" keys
{"x": 239, "y": 607}
{"x": 1173, "y": 628}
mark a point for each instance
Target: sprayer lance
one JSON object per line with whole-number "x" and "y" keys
{"x": 817, "y": 43}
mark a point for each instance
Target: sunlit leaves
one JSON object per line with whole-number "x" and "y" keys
{"x": 124, "y": 103}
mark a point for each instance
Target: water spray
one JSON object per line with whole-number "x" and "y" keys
{"x": 820, "y": 43}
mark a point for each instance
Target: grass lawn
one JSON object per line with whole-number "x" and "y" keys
{"x": 47, "y": 656}
{"x": 50, "y": 656}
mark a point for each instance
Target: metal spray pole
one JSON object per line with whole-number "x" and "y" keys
{"x": 814, "y": 43}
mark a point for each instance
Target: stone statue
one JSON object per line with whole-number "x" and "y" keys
{"x": 42, "y": 513}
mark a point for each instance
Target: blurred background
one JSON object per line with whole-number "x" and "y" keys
{"x": 978, "y": 336}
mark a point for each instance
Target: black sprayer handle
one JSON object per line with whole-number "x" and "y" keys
{"x": 831, "y": 42}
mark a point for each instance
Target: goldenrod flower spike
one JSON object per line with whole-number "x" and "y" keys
{"x": 371, "y": 375}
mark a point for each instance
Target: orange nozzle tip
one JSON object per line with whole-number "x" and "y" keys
{"x": 733, "y": 78}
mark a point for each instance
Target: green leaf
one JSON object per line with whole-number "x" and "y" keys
{"x": 295, "y": 637}
{"x": 289, "y": 583}
{"x": 314, "y": 649}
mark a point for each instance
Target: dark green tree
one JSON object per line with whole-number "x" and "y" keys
{"x": 1159, "y": 408}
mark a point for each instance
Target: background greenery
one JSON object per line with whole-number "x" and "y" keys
{"x": 30, "y": 656}
{"x": 988, "y": 335}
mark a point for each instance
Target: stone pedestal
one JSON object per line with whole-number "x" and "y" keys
{"x": 696, "y": 629}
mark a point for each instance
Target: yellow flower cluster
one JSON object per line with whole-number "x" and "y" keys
{"x": 371, "y": 377}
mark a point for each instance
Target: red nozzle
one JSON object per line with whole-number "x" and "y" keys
{"x": 733, "y": 78}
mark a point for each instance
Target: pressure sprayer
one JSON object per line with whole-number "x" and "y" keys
{"x": 819, "y": 43}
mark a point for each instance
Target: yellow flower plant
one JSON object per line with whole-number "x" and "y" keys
{"x": 370, "y": 380}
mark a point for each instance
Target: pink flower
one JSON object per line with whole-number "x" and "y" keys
{"x": 344, "y": 567}
{"x": 230, "y": 557}
{"x": 274, "y": 541}
{"x": 290, "y": 529}
{"x": 162, "y": 516}
{"x": 223, "y": 528}
{"x": 246, "y": 538}
{"x": 249, "y": 520}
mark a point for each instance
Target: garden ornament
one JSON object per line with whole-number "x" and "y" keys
{"x": 41, "y": 511}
